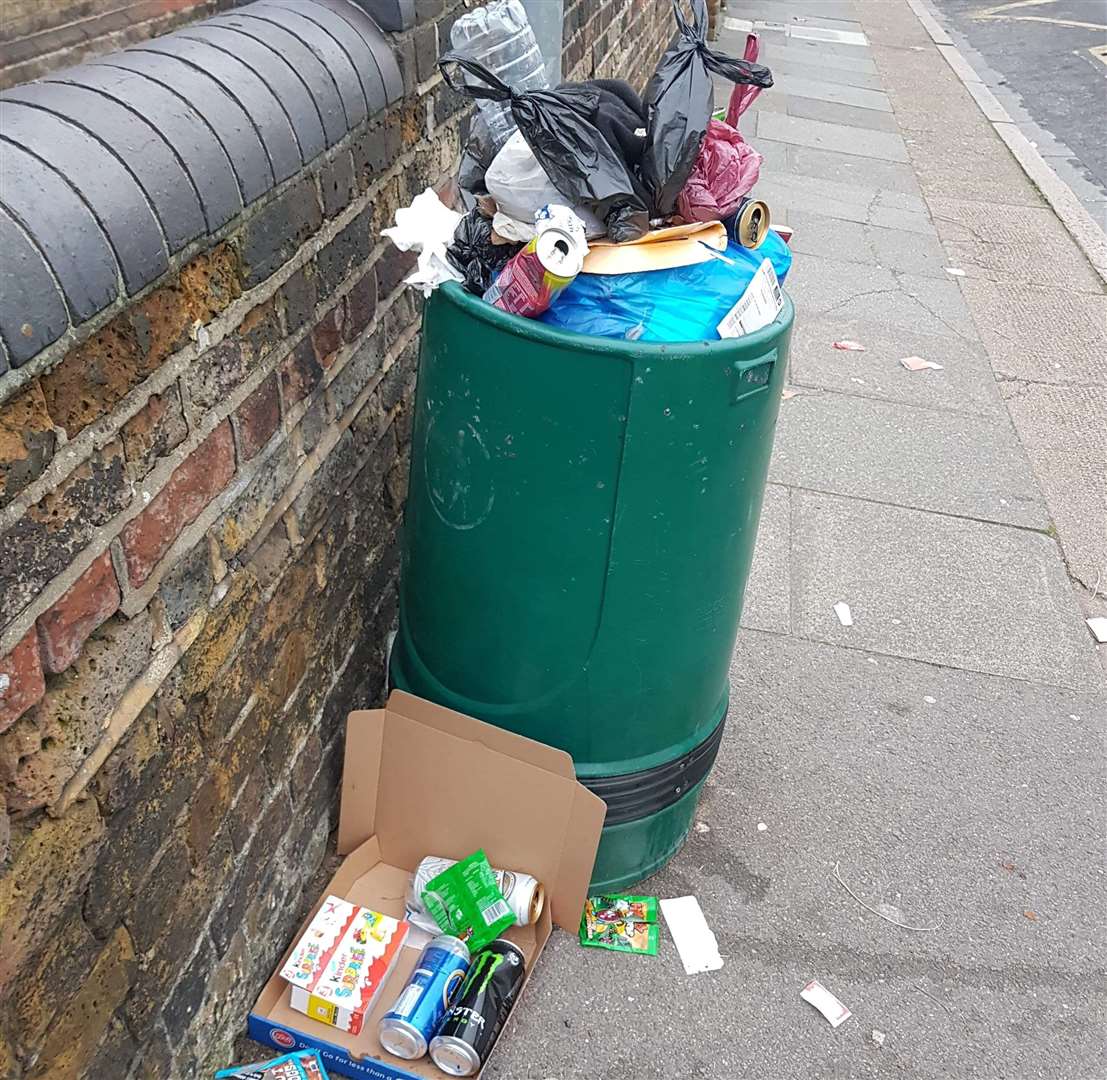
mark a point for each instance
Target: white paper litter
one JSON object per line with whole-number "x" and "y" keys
{"x": 1098, "y": 626}
{"x": 761, "y": 826}
{"x": 848, "y": 346}
{"x": 758, "y": 306}
{"x": 818, "y": 995}
{"x": 699, "y": 951}
{"x": 786, "y": 394}
{"x": 845, "y": 616}
{"x": 954, "y": 271}
{"x": 878, "y": 1037}
{"x": 702, "y": 827}
{"x": 917, "y": 363}
{"x": 426, "y": 226}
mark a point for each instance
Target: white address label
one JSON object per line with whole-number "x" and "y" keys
{"x": 758, "y": 306}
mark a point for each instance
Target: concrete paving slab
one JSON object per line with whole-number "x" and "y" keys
{"x": 832, "y": 198}
{"x": 1064, "y": 430}
{"x": 1039, "y": 334}
{"x": 1012, "y": 243}
{"x": 890, "y": 452}
{"x": 845, "y": 168}
{"x": 813, "y": 68}
{"x": 805, "y": 9}
{"x": 768, "y": 598}
{"x": 833, "y": 13}
{"x": 853, "y": 291}
{"x": 964, "y": 384}
{"x": 829, "y": 113}
{"x": 850, "y": 241}
{"x": 827, "y": 90}
{"x": 964, "y": 594}
{"x": 808, "y": 54}
{"x": 844, "y": 140}
{"x": 924, "y": 804}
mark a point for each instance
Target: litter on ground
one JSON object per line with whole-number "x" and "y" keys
{"x": 1098, "y": 626}
{"x": 814, "y": 993}
{"x": 845, "y": 616}
{"x": 917, "y": 363}
{"x": 696, "y": 944}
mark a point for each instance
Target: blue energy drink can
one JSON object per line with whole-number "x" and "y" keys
{"x": 407, "y": 1028}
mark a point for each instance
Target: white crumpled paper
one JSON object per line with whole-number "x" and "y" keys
{"x": 426, "y": 226}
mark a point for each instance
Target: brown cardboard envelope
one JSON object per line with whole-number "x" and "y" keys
{"x": 660, "y": 249}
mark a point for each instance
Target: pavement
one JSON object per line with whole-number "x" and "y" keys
{"x": 945, "y": 753}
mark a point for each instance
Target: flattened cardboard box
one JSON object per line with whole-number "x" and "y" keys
{"x": 422, "y": 780}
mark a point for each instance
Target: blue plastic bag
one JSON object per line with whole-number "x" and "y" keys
{"x": 683, "y": 304}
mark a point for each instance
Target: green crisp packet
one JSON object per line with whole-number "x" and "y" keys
{"x": 466, "y": 901}
{"x": 620, "y": 923}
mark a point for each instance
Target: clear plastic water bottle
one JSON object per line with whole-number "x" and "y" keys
{"x": 500, "y": 37}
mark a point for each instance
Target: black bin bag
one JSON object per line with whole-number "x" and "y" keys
{"x": 560, "y": 127}
{"x": 678, "y": 103}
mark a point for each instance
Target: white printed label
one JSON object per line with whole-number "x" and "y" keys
{"x": 759, "y": 305}
{"x": 408, "y": 1000}
{"x": 495, "y": 911}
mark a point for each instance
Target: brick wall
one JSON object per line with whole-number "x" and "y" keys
{"x": 205, "y": 399}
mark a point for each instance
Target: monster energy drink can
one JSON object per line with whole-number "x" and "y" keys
{"x": 477, "y": 1016}
{"x": 408, "y": 1026}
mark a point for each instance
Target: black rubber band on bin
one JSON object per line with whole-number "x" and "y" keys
{"x": 642, "y": 794}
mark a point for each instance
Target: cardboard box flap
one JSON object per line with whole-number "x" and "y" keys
{"x": 357, "y": 813}
{"x": 466, "y": 727}
{"x": 427, "y": 781}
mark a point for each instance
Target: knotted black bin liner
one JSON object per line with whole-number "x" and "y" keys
{"x": 560, "y": 126}
{"x": 678, "y": 103}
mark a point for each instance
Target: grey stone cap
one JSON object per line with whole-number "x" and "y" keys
{"x": 108, "y": 169}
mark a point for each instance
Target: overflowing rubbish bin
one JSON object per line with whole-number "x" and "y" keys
{"x": 580, "y": 523}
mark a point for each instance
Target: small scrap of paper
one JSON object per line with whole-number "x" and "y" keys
{"x": 845, "y": 616}
{"x": 699, "y": 951}
{"x": 848, "y": 346}
{"x": 953, "y": 271}
{"x": 1098, "y": 626}
{"x": 917, "y": 363}
{"x": 786, "y": 394}
{"x": 814, "y": 993}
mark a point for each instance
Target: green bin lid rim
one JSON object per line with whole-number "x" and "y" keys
{"x": 630, "y": 350}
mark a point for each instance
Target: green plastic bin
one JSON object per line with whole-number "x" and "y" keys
{"x": 581, "y": 518}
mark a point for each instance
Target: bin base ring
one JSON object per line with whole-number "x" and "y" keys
{"x": 641, "y": 794}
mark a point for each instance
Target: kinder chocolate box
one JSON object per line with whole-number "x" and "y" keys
{"x": 340, "y": 964}
{"x": 420, "y": 779}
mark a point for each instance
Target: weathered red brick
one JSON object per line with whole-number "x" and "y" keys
{"x": 300, "y": 373}
{"x": 361, "y": 305}
{"x": 196, "y": 481}
{"x": 21, "y": 681}
{"x": 41, "y": 543}
{"x": 66, "y": 626}
{"x": 258, "y": 417}
{"x": 327, "y": 334}
{"x": 158, "y": 427}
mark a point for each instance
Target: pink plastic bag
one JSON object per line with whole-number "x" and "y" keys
{"x": 723, "y": 175}
{"x": 741, "y": 97}
{"x": 728, "y": 166}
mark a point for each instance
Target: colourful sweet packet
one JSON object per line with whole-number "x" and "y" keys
{"x": 301, "y": 1065}
{"x": 465, "y": 900}
{"x": 620, "y": 923}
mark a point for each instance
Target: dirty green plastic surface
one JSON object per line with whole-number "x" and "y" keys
{"x": 580, "y": 523}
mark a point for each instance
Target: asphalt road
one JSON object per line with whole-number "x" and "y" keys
{"x": 1042, "y": 51}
